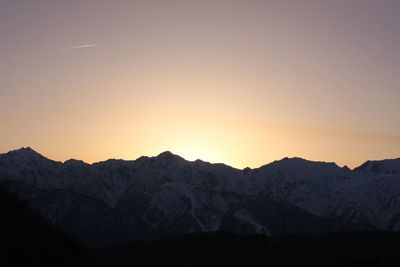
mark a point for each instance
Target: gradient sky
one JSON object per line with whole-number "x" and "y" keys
{"x": 243, "y": 82}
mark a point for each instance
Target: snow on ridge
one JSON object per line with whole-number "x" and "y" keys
{"x": 323, "y": 189}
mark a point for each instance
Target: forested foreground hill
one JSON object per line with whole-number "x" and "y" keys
{"x": 28, "y": 240}
{"x": 224, "y": 249}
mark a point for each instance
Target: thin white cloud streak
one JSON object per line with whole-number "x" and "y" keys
{"x": 79, "y": 46}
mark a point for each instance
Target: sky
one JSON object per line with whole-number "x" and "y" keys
{"x": 242, "y": 82}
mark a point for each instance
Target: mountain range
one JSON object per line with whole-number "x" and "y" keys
{"x": 117, "y": 201}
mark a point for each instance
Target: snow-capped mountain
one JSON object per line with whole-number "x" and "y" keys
{"x": 153, "y": 197}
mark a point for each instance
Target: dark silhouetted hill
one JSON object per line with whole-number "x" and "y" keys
{"x": 27, "y": 240}
{"x": 350, "y": 249}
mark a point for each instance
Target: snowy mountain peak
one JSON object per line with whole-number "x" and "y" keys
{"x": 74, "y": 162}
{"x": 25, "y": 154}
{"x": 169, "y": 156}
{"x": 345, "y": 167}
{"x": 24, "y": 151}
{"x": 388, "y": 166}
{"x": 300, "y": 163}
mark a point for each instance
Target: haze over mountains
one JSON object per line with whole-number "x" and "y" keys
{"x": 117, "y": 201}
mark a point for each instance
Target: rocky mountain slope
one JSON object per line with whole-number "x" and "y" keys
{"x": 154, "y": 197}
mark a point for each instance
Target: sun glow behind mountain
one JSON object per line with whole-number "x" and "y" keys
{"x": 239, "y": 82}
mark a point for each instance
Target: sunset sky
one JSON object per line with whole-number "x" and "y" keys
{"x": 243, "y": 82}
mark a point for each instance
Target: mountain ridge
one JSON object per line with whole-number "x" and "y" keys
{"x": 153, "y": 197}
{"x": 29, "y": 151}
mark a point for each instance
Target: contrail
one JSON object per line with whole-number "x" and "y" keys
{"x": 79, "y": 46}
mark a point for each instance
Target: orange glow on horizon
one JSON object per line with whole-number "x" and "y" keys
{"x": 237, "y": 82}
